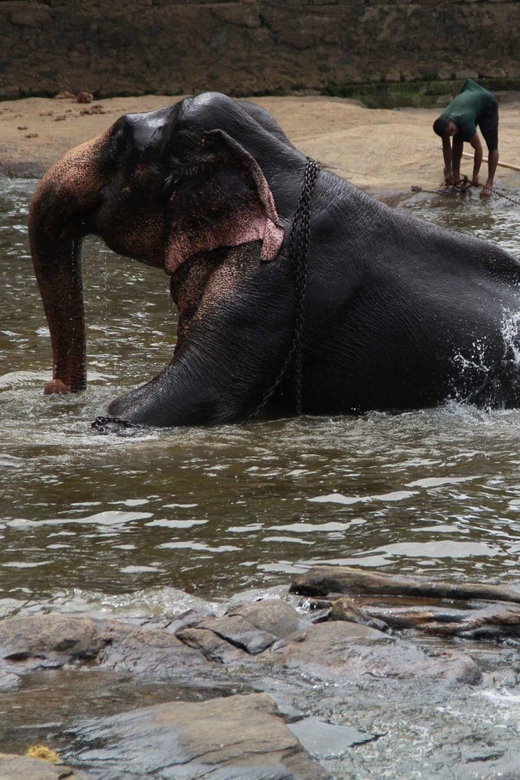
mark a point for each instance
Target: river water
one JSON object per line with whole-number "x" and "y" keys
{"x": 117, "y": 524}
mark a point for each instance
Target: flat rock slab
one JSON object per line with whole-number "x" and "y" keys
{"x": 328, "y": 740}
{"x": 14, "y": 767}
{"x": 322, "y": 581}
{"x": 345, "y": 652}
{"x": 226, "y": 738}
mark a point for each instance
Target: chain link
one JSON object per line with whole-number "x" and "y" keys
{"x": 298, "y": 253}
{"x": 100, "y": 424}
{"x": 498, "y": 191}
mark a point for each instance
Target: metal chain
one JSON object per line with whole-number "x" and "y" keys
{"x": 498, "y": 191}
{"x": 100, "y": 424}
{"x": 298, "y": 253}
{"x": 453, "y": 189}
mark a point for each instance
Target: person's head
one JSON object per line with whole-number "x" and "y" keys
{"x": 444, "y": 126}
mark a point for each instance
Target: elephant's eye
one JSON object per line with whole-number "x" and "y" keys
{"x": 182, "y": 173}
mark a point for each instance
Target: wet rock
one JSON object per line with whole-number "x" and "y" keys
{"x": 226, "y": 738}
{"x": 248, "y": 629}
{"x": 47, "y": 641}
{"x": 239, "y": 632}
{"x": 470, "y": 620}
{"x": 271, "y": 615}
{"x": 343, "y": 652}
{"x": 147, "y": 652}
{"x": 14, "y": 767}
{"x": 212, "y": 646}
{"x": 328, "y": 740}
{"x": 323, "y": 581}
{"x": 8, "y": 681}
{"x": 52, "y": 641}
{"x": 252, "y": 627}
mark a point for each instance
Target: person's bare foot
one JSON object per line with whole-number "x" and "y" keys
{"x": 487, "y": 191}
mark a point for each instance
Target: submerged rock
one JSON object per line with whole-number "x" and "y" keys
{"x": 226, "y": 738}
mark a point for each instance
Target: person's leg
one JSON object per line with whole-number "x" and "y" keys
{"x": 488, "y": 124}
{"x": 492, "y": 166}
{"x": 458, "y": 146}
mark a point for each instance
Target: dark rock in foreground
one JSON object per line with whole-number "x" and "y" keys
{"x": 235, "y": 737}
{"x": 348, "y": 641}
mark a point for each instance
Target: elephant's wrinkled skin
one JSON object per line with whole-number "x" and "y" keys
{"x": 399, "y": 313}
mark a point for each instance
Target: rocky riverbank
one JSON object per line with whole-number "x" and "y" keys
{"x": 271, "y": 688}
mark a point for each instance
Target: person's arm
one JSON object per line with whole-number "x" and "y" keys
{"x": 477, "y": 160}
{"x": 448, "y": 159}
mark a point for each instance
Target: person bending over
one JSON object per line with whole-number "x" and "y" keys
{"x": 473, "y": 106}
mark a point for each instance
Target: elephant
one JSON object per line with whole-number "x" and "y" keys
{"x": 393, "y": 313}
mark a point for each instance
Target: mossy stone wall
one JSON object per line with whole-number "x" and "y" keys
{"x": 118, "y": 47}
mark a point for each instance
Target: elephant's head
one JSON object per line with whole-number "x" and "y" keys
{"x": 163, "y": 188}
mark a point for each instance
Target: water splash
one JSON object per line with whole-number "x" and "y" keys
{"x": 511, "y": 335}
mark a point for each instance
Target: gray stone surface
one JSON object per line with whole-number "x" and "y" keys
{"x": 344, "y": 651}
{"x": 251, "y": 628}
{"x": 40, "y": 641}
{"x": 51, "y": 641}
{"x": 235, "y": 737}
{"x": 334, "y": 650}
{"x": 9, "y": 681}
{"x": 327, "y": 740}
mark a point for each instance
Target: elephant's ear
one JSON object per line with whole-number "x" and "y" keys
{"x": 221, "y": 198}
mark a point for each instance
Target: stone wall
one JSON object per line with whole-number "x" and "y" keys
{"x": 118, "y": 47}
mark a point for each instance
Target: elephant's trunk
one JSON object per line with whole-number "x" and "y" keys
{"x": 58, "y": 221}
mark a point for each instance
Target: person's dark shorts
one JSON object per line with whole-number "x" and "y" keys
{"x": 488, "y": 124}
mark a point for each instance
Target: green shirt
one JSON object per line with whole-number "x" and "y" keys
{"x": 467, "y": 108}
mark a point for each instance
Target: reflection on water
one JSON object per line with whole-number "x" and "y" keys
{"x": 214, "y": 511}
